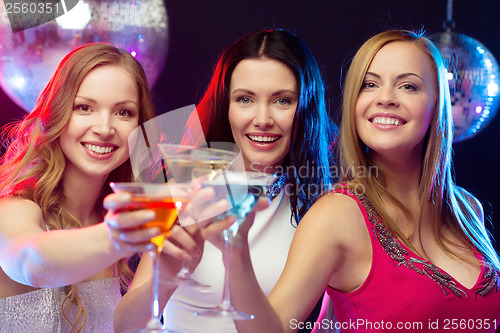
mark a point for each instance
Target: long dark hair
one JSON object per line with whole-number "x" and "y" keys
{"x": 312, "y": 129}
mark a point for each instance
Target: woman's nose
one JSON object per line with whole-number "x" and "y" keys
{"x": 387, "y": 97}
{"x": 103, "y": 126}
{"x": 263, "y": 116}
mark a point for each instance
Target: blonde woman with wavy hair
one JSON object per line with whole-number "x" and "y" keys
{"x": 397, "y": 245}
{"x": 61, "y": 267}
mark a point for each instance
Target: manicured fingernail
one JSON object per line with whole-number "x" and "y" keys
{"x": 148, "y": 215}
{"x": 125, "y": 197}
{"x": 154, "y": 232}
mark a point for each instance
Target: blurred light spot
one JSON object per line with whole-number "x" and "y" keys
{"x": 19, "y": 82}
{"x": 492, "y": 89}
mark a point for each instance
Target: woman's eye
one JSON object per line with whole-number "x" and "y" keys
{"x": 284, "y": 101}
{"x": 83, "y": 108}
{"x": 124, "y": 113}
{"x": 410, "y": 87}
{"x": 244, "y": 100}
{"x": 368, "y": 85}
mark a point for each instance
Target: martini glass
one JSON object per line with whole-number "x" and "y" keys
{"x": 187, "y": 164}
{"x": 241, "y": 190}
{"x": 166, "y": 201}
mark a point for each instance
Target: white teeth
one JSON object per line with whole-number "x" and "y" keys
{"x": 263, "y": 138}
{"x": 99, "y": 149}
{"x": 387, "y": 121}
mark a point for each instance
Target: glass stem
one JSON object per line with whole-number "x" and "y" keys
{"x": 228, "y": 247}
{"x": 154, "y": 322}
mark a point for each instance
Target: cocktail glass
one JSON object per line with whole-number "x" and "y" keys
{"x": 166, "y": 201}
{"x": 188, "y": 163}
{"x": 242, "y": 190}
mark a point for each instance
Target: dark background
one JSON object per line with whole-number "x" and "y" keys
{"x": 200, "y": 30}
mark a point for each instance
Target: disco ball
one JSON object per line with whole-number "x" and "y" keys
{"x": 474, "y": 79}
{"x": 29, "y": 57}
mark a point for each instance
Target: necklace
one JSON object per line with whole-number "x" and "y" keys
{"x": 276, "y": 187}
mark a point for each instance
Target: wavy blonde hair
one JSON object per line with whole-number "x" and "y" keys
{"x": 452, "y": 206}
{"x": 34, "y": 163}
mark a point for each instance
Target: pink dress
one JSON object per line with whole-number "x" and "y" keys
{"x": 404, "y": 292}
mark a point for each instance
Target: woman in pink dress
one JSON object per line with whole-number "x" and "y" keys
{"x": 397, "y": 245}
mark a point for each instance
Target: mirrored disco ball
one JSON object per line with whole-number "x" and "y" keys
{"x": 29, "y": 57}
{"x": 474, "y": 79}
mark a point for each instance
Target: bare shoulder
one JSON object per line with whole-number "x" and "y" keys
{"x": 336, "y": 214}
{"x": 336, "y": 207}
{"x": 16, "y": 211}
{"x": 335, "y": 225}
{"x": 19, "y": 204}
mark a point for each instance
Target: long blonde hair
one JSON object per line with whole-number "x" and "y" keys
{"x": 34, "y": 163}
{"x": 452, "y": 206}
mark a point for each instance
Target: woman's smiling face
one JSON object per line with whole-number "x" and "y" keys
{"x": 105, "y": 112}
{"x": 397, "y": 100}
{"x": 263, "y": 98}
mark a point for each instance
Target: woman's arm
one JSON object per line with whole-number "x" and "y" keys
{"x": 317, "y": 254}
{"x": 326, "y": 313}
{"x": 134, "y": 309}
{"x": 33, "y": 256}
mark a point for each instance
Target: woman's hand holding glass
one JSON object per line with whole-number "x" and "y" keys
{"x": 185, "y": 243}
{"x": 235, "y": 194}
{"x": 165, "y": 202}
{"x": 127, "y": 230}
{"x": 124, "y": 227}
{"x": 213, "y": 231}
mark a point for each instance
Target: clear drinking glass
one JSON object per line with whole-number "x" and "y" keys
{"x": 166, "y": 201}
{"x": 242, "y": 190}
{"x": 187, "y": 163}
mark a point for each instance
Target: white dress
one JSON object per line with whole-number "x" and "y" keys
{"x": 269, "y": 239}
{"x": 39, "y": 311}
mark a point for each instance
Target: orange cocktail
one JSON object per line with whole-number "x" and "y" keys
{"x": 166, "y": 210}
{"x": 165, "y": 200}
